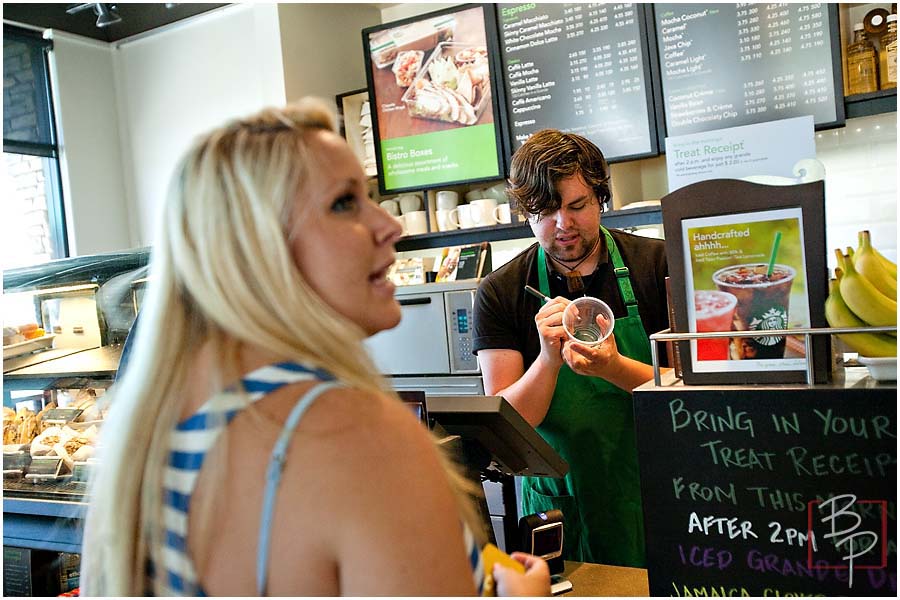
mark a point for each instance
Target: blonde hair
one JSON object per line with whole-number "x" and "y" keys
{"x": 222, "y": 272}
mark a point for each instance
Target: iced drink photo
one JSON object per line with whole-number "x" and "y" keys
{"x": 714, "y": 311}
{"x": 762, "y": 303}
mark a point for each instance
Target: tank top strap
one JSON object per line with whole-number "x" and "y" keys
{"x": 273, "y": 479}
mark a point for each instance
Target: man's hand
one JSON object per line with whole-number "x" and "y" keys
{"x": 549, "y": 325}
{"x": 601, "y": 360}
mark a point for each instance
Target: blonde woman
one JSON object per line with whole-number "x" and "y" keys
{"x": 251, "y": 447}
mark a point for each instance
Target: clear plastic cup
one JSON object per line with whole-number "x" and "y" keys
{"x": 588, "y": 320}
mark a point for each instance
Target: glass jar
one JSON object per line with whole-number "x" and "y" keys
{"x": 888, "y": 66}
{"x": 862, "y": 63}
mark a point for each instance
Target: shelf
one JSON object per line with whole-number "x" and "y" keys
{"x": 650, "y": 215}
{"x": 873, "y": 103}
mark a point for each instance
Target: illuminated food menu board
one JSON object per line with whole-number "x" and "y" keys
{"x": 580, "y": 68}
{"x": 430, "y": 80}
{"x": 724, "y": 65}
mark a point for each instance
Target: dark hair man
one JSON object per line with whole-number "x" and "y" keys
{"x": 577, "y": 396}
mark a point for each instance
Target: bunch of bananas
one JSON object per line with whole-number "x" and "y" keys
{"x": 864, "y": 293}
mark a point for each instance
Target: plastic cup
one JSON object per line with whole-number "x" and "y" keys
{"x": 714, "y": 311}
{"x": 588, "y": 320}
{"x": 762, "y": 303}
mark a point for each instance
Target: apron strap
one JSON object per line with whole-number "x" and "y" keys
{"x": 543, "y": 279}
{"x": 622, "y": 278}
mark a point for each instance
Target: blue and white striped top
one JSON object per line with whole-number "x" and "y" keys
{"x": 189, "y": 442}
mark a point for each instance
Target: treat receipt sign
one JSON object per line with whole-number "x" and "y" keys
{"x": 746, "y": 272}
{"x": 773, "y": 492}
{"x": 771, "y": 148}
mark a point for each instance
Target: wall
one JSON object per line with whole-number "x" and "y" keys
{"x": 404, "y": 10}
{"x": 860, "y": 183}
{"x": 175, "y": 84}
{"x": 97, "y": 213}
{"x": 321, "y": 47}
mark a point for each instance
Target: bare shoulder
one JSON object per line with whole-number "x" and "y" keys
{"x": 385, "y": 502}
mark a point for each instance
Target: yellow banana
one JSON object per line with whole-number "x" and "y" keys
{"x": 838, "y": 314}
{"x": 863, "y": 298}
{"x": 871, "y": 266}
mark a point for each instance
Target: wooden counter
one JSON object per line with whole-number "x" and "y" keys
{"x": 589, "y": 579}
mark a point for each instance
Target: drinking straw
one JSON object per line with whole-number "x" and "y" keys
{"x": 774, "y": 253}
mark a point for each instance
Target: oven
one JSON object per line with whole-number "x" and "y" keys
{"x": 431, "y": 349}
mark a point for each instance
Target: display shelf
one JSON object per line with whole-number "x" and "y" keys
{"x": 94, "y": 268}
{"x": 635, "y": 217}
{"x": 874, "y": 103}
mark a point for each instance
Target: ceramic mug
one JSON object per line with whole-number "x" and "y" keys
{"x": 461, "y": 217}
{"x": 446, "y": 199}
{"x": 502, "y": 214}
{"x": 482, "y": 212}
{"x": 416, "y": 222}
{"x": 443, "y": 220}
{"x": 391, "y": 207}
{"x": 409, "y": 203}
{"x": 402, "y": 221}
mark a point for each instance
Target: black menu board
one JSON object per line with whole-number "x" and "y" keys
{"x": 725, "y": 65}
{"x": 759, "y": 490}
{"x": 581, "y": 68}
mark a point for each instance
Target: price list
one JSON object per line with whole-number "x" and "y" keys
{"x": 725, "y": 65}
{"x": 578, "y": 68}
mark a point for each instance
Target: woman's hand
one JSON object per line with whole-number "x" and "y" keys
{"x": 535, "y": 581}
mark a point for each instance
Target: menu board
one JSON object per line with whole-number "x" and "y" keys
{"x": 580, "y": 68}
{"x": 756, "y": 490}
{"x": 724, "y": 65}
{"x": 434, "y": 100}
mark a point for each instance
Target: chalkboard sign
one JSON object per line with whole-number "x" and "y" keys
{"x": 740, "y": 485}
{"x": 582, "y": 68}
{"x": 724, "y": 65}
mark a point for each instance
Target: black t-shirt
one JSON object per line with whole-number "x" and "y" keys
{"x": 504, "y": 312}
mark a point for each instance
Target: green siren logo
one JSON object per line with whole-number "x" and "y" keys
{"x": 774, "y": 318}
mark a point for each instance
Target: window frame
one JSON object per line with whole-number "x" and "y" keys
{"x": 56, "y": 215}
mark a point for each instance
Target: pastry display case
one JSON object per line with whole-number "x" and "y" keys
{"x": 77, "y": 313}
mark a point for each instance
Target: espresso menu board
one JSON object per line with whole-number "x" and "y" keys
{"x": 769, "y": 490}
{"x": 724, "y": 65}
{"x": 580, "y": 68}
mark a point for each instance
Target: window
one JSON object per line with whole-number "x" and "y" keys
{"x": 33, "y": 229}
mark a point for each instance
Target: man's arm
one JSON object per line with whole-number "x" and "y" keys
{"x": 529, "y": 391}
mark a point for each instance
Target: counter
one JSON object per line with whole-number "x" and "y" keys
{"x": 590, "y": 579}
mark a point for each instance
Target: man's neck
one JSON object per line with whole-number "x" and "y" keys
{"x": 585, "y": 265}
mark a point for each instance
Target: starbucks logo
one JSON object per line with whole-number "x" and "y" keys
{"x": 774, "y": 318}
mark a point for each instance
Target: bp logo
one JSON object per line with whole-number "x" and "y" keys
{"x": 774, "y": 318}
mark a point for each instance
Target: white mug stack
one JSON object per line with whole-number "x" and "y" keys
{"x": 446, "y": 202}
{"x": 407, "y": 210}
{"x": 461, "y": 217}
{"x": 483, "y": 212}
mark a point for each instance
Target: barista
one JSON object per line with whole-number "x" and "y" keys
{"x": 577, "y": 396}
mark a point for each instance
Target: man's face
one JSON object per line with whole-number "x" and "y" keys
{"x": 570, "y": 233}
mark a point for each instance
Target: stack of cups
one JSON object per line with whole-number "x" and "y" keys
{"x": 392, "y": 207}
{"x": 446, "y": 202}
{"x": 414, "y": 216}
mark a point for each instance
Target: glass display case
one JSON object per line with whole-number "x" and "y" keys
{"x": 64, "y": 326}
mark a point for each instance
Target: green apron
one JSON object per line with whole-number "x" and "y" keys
{"x": 591, "y": 424}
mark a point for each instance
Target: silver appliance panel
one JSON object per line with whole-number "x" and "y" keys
{"x": 451, "y": 385}
{"x": 434, "y": 336}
